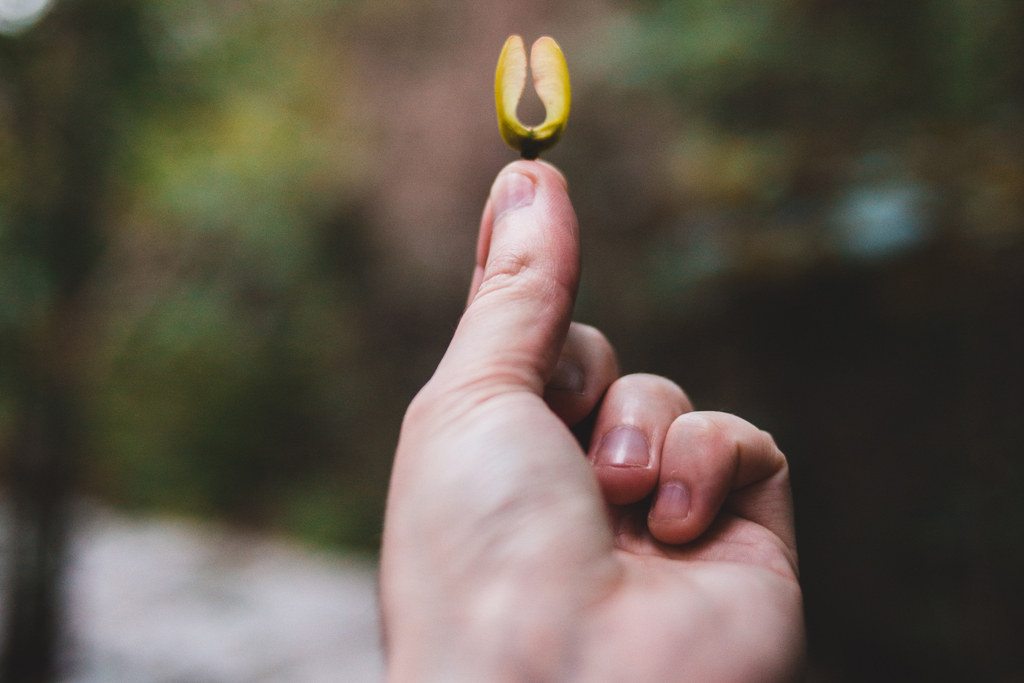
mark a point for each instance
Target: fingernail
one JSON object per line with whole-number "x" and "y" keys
{"x": 568, "y": 376}
{"x": 511, "y": 191}
{"x": 624, "y": 447}
{"x": 673, "y": 502}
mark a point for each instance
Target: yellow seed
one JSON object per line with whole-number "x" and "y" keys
{"x": 551, "y": 80}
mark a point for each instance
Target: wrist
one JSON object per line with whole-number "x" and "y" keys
{"x": 501, "y": 636}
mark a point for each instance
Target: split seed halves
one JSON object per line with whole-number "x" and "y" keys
{"x": 550, "y": 78}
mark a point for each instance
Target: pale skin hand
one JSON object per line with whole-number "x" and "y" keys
{"x": 510, "y": 555}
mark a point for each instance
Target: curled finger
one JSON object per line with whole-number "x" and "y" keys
{"x": 585, "y": 369}
{"x": 630, "y": 432}
{"x": 713, "y": 459}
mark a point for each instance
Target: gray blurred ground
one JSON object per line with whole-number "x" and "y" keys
{"x": 159, "y": 601}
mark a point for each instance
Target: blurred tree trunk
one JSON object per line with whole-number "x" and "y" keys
{"x": 64, "y": 74}
{"x": 44, "y": 457}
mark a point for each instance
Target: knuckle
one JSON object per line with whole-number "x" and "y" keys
{"x": 589, "y": 333}
{"x": 769, "y": 441}
{"x": 508, "y": 262}
{"x": 589, "y": 343}
{"x": 709, "y": 434}
{"x": 664, "y": 388}
{"x": 514, "y": 272}
{"x": 772, "y": 448}
{"x": 507, "y": 269}
{"x": 639, "y": 380}
{"x": 703, "y": 426}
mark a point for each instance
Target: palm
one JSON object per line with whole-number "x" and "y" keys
{"x": 704, "y": 602}
{"x": 727, "y": 621}
{"x": 727, "y": 604}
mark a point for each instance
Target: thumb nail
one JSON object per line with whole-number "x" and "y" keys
{"x": 511, "y": 191}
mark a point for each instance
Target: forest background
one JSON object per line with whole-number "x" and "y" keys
{"x": 236, "y": 235}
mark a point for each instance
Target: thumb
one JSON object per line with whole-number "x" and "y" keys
{"x": 524, "y": 288}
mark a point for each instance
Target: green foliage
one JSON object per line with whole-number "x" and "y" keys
{"x": 223, "y": 365}
{"x": 216, "y": 392}
{"x": 925, "y": 56}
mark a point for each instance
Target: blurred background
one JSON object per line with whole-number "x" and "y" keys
{"x": 236, "y": 235}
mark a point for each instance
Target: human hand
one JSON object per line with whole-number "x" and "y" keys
{"x": 510, "y": 555}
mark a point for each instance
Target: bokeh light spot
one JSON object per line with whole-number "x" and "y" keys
{"x": 18, "y": 15}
